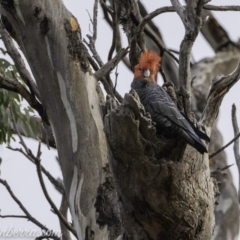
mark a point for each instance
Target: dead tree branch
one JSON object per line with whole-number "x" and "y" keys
{"x": 58, "y": 185}
{"x": 234, "y": 140}
{"x": 236, "y": 144}
{"x": 192, "y": 21}
{"x": 56, "y": 211}
{"x": 36, "y": 160}
{"x": 116, "y": 21}
{"x": 106, "y": 81}
{"x": 28, "y": 215}
{"x": 39, "y": 171}
{"x": 152, "y": 15}
{"x": 12, "y": 216}
{"x": 221, "y": 8}
{"x": 220, "y": 86}
{"x": 105, "y": 69}
{"x": 220, "y": 170}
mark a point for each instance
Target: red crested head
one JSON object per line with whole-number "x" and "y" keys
{"x": 148, "y": 66}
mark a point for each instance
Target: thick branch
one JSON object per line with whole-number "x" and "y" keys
{"x": 191, "y": 18}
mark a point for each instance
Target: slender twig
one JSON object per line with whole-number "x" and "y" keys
{"x": 220, "y": 170}
{"x": 56, "y": 211}
{"x": 46, "y": 237}
{"x": 225, "y": 146}
{"x": 151, "y": 15}
{"x": 236, "y": 144}
{"x": 116, "y": 78}
{"x": 92, "y": 39}
{"x": 221, "y": 8}
{"x": 106, "y": 7}
{"x": 163, "y": 75}
{"x": 95, "y": 15}
{"x": 118, "y": 43}
{"x": 106, "y": 81}
{"x": 89, "y": 16}
{"x": 57, "y": 184}
{"x": 13, "y": 216}
{"x": 174, "y": 51}
{"x": 39, "y": 171}
{"x": 136, "y": 16}
{"x": 28, "y": 215}
{"x": 159, "y": 44}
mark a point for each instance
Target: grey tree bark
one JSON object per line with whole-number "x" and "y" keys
{"x": 121, "y": 181}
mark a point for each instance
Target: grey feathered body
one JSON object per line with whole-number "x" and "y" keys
{"x": 170, "y": 122}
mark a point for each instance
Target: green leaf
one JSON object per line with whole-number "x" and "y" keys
{"x": 26, "y": 128}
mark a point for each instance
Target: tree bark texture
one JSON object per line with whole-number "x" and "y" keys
{"x": 50, "y": 38}
{"x": 162, "y": 198}
{"x": 135, "y": 186}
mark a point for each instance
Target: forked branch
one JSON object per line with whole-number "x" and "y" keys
{"x": 192, "y": 21}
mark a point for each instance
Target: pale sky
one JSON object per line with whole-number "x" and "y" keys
{"x": 21, "y": 174}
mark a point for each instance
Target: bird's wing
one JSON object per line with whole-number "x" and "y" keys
{"x": 161, "y": 103}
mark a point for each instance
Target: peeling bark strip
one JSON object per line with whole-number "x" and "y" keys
{"x": 158, "y": 196}
{"x": 69, "y": 110}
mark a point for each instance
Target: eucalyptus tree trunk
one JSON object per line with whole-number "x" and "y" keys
{"x": 50, "y": 38}
{"x": 121, "y": 182}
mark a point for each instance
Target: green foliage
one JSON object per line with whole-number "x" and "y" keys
{"x": 13, "y": 102}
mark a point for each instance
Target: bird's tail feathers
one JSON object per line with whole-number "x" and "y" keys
{"x": 197, "y": 143}
{"x": 201, "y": 134}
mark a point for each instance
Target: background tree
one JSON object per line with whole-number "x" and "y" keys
{"x": 127, "y": 197}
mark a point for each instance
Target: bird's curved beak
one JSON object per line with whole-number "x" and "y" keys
{"x": 146, "y": 73}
